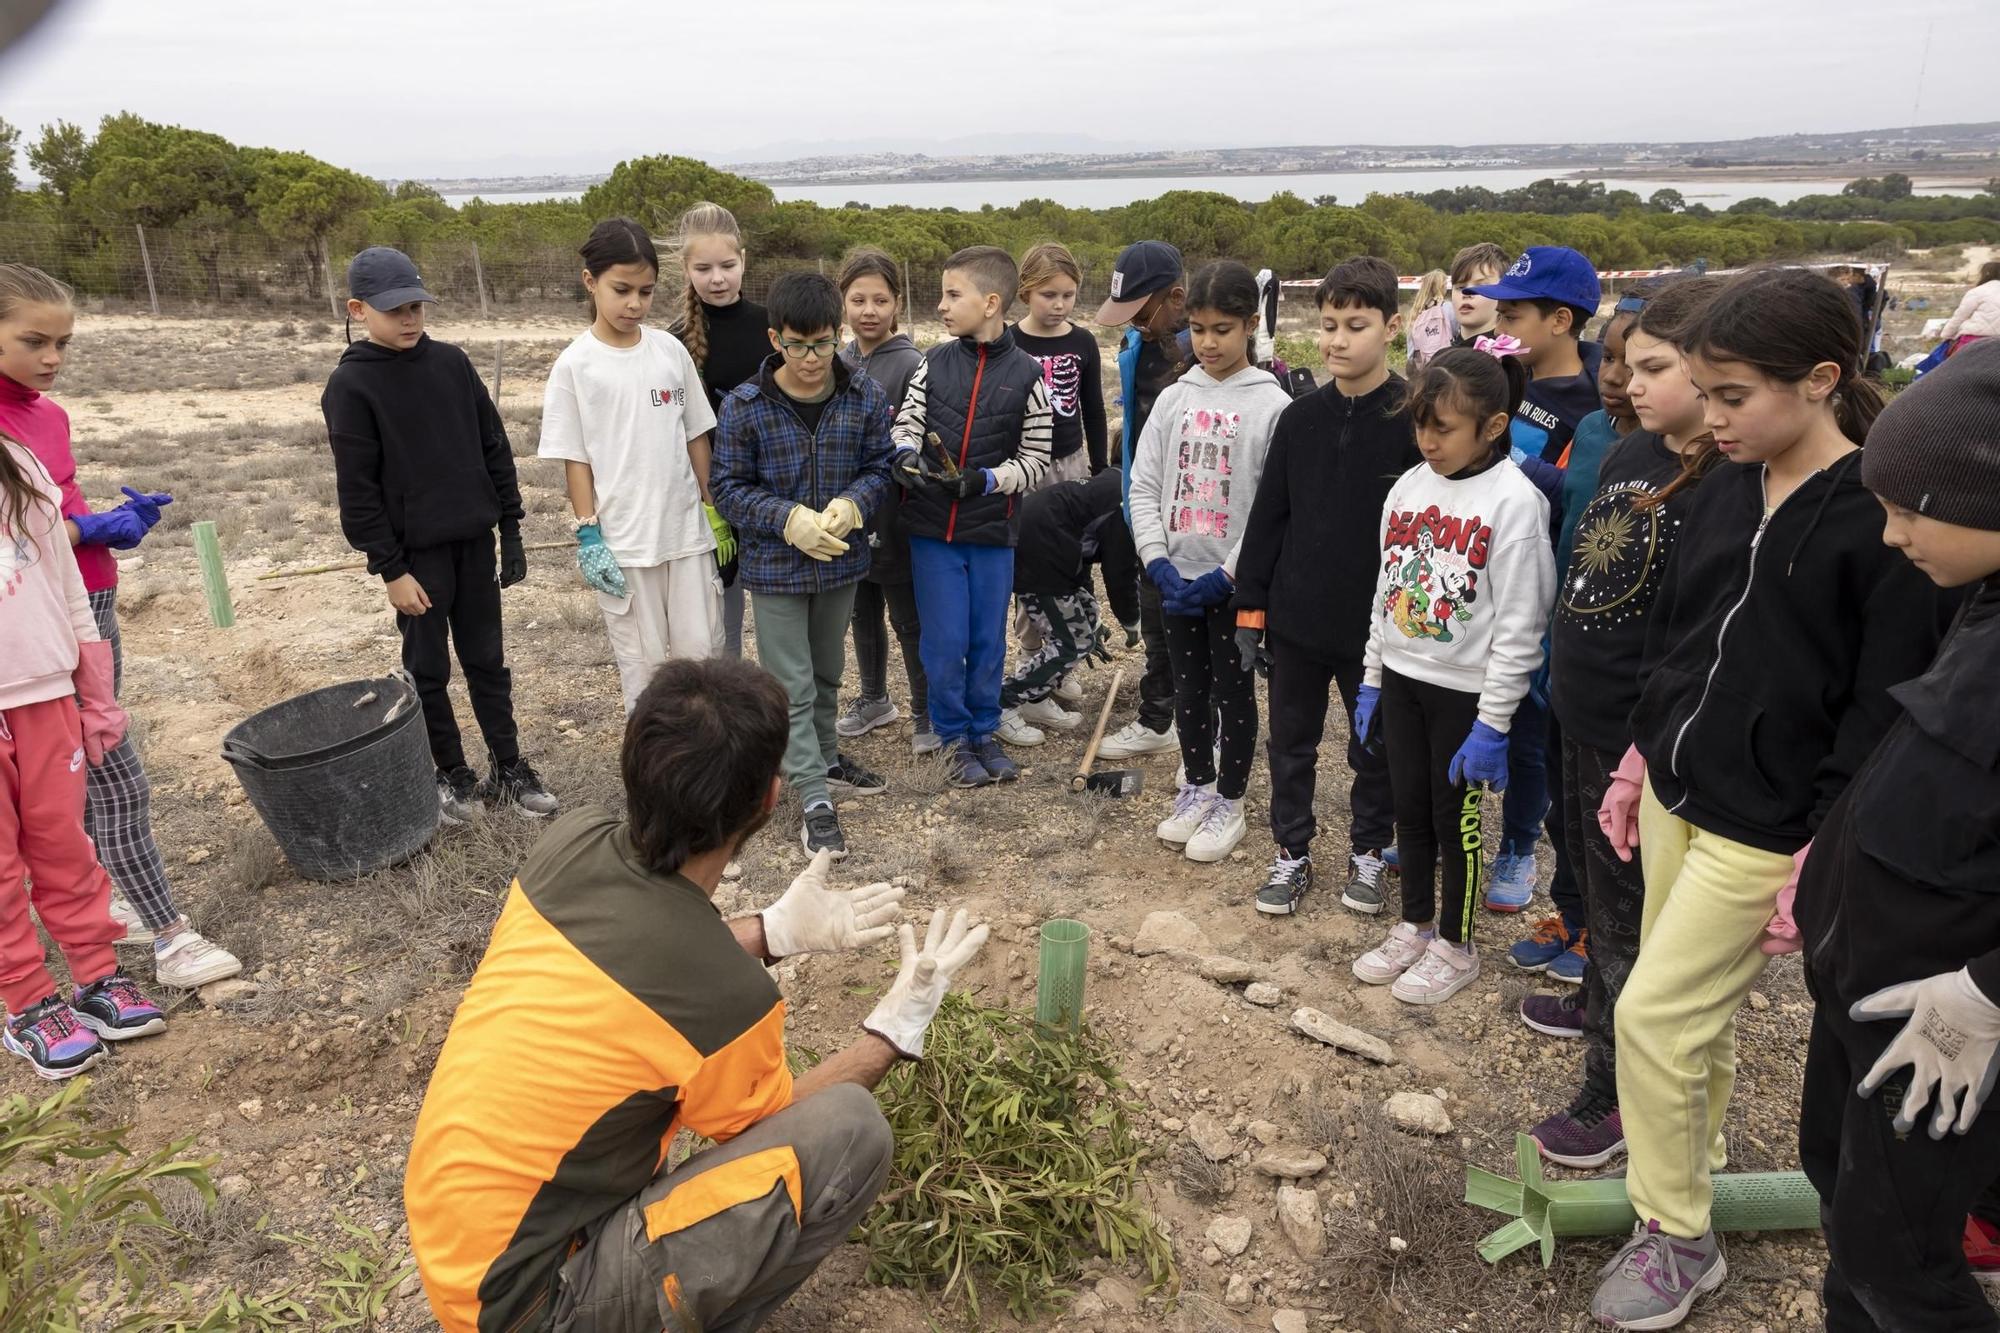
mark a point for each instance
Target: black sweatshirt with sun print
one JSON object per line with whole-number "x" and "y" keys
{"x": 1614, "y": 571}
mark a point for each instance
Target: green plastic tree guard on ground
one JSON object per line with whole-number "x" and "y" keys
{"x": 1544, "y": 1209}
{"x": 1059, "y": 988}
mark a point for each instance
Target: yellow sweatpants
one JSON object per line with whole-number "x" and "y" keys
{"x": 1707, "y": 900}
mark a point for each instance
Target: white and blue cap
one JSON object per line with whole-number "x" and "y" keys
{"x": 1547, "y": 273}
{"x": 385, "y": 278}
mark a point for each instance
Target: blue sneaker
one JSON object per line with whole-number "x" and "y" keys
{"x": 1510, "y": 885}
{"x": 1550, "y": 941}
{"x": 1391, "y": 861}
{"x": 1569, "y": 964}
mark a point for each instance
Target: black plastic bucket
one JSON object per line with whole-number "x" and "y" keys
{"x": 341, "y": 776}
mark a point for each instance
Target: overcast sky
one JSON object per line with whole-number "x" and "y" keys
{"x": 449, "y": 87}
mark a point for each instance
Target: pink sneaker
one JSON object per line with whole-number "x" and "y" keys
{"x": 1443, "y": 971}
{"x": 1393, "y": 956}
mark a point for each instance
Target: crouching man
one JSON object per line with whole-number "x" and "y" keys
{"x": 614, "y": 1006}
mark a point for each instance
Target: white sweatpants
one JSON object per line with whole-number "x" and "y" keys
{"x": 673, "y": 610}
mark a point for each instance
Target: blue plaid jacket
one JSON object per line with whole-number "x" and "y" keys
{"x": 765, "y": 462}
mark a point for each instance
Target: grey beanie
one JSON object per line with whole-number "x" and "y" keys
{"x": 1936, "y": 448}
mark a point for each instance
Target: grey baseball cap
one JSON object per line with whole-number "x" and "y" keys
{"x": 385, "y": 278}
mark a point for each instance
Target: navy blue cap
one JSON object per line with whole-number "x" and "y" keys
{"x": 385, "y": 278}
{"x": 1143, "y": 267}
{"x": 1547, "y": 273}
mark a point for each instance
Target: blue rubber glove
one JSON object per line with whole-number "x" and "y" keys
{"x": 146, "y": 504}
{"x": 121, "y": 529}
{"x": 1166, "y": 578}
{"x": 1483, "y": 758}
{"x": 600, "y": 568}
{"x": 1364, "y": 711}
{"x": 1211, "y": 589}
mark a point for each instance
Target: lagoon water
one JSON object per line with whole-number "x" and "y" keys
{"x": 1348, "y": 187}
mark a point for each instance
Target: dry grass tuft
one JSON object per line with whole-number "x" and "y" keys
{"x": 1198, "y": 1179}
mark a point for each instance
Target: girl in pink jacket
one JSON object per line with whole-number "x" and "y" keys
{"x": 58, "y": 714}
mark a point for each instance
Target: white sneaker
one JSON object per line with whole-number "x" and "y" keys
{"x": 1135, "y": 739}
{"x": 189, "y": 959}
{"x": 126, "y": 915}
{"x": 1070, "y": 690}
{"x": 1443, "y": 971}
{"x": 1393, "y": 956}
{"x": 1190, "y": 804}
{"x": 1049, "y": 713}
{"x": 1222, "y": 827}
{"x": 925, "y": 742}
{"x": 1013, "y": 731}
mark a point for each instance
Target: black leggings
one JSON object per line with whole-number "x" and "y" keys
{"x": 1209, "y": 675}
{"x": 871, "y": 641}
{"x": 1423, "y": 726}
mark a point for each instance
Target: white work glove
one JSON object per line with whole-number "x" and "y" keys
{"x": 903, "y": 1015}
{"x": 811, "y": 918}
{"x": 1951, "y": 1043}
{"x": 804, "y": 530}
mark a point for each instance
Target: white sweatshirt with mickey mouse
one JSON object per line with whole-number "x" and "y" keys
{"x": 1467, "y": 580}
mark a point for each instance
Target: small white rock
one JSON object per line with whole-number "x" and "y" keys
{"x": 1289, "y": 1321}
{"x": 1264, "y": 994}
{"x": 1418, "y": 1112}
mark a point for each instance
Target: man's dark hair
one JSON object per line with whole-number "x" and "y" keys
{"x": 1366, "y": 282}
{"x": 701, "y": 747}
{"x": 1578, "y": 316}
{"x": 803, "y": 303}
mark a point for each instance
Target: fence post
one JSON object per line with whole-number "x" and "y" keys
{"x": 479, "y": 279}
{"x": 146, "y": 259}
{"x": 326, "y": 263}
{"x": 822, "y": 268}
{"x": 908, "y": 295}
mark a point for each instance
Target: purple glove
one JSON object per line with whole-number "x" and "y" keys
{"x": 122, "y": 528}
{"x": 146, "y": 504}
{"x": 1482, "y": 758}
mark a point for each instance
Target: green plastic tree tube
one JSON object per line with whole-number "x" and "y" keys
{"x": 1059, "y": 990}
{"x": 214, "y": 581}
{"x": 1544, "y": 1209}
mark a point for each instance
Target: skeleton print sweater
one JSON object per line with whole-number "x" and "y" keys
{"x": 1465, "y": 586}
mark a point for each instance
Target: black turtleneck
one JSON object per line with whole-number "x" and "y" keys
{"x": 738, "y": 342}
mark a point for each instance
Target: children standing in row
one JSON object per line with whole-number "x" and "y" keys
{"x": 1461, "y": 602}
{"x": 1896, "y": 906}
{"x": 625, "y": 411}
{"x": 1626, "y": 535}
{"x": 725, "y": 334}
{"x": 1780, "y": 627}
{"x": 1194, "y": 481}
{"x": 425, "y": 474}
{"x": 58, "y": 715}
{"x": 872, "y": 292}
{"x": 1306, "y": 575}
{"x": 801, "y": 461}
{"x": 37, "y": 318}
{"x": 972, "y": 434}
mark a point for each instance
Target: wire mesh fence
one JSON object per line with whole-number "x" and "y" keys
{"x": 190, "y": 271}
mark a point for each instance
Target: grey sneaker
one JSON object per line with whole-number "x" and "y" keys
{"x": 925, "y": 742}
{"x": 458, "y": 795}
{"x": 1290, "y": 879}
{"x": 520, "y": 786}
{"x": 1653, "y": 1281}
{"x": 1364, "y": 882}
{"x": 864, "y": 715}
{"x": 821, "y": 832}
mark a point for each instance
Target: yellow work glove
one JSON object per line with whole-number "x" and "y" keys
{"x": 841, "y": 517}
{"x": 803, "y": 530}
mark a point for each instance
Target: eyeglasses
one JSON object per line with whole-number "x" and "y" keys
{"x": 825, "y": 347}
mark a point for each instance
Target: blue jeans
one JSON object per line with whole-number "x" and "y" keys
{"x": 962, "y": 594}
{"x": 1525, "y": 803}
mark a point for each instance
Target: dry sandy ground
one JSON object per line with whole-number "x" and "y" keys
{"x": 306, "y": 1092}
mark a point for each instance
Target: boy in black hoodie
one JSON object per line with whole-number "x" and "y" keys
{"x": 1305, "y": 589}
{"x": 424, "y": 473}
{"x": 1897, "y": 902}
{"x": 1062, "y": 530}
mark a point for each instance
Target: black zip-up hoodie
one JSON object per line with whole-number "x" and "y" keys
{"x": 1059, "y": 526}
{"x": 1313, "y": 546}
{"x": 1904, "y": 877}
{"x": 1771, "y": 650}
{"x": 419, "y": 455}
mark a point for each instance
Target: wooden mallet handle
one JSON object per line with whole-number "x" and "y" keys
{"x": 1082, "y": 777}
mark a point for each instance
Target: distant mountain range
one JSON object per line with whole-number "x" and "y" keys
{"x": 1963, "y": 150}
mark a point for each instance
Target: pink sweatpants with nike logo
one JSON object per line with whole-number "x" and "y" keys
{"x": 42, "y": 839}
